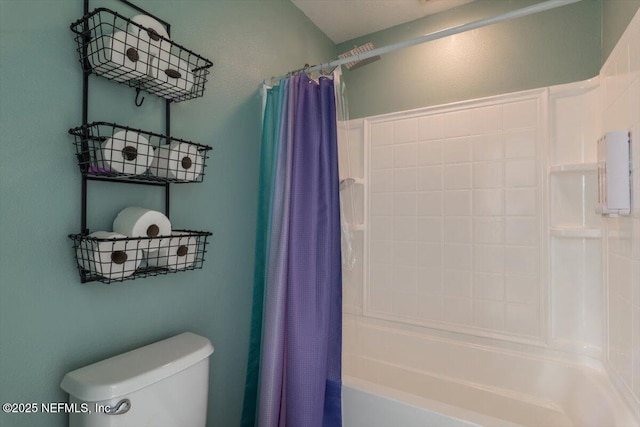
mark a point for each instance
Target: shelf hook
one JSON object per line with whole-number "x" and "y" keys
{"x": 138, "y": 103}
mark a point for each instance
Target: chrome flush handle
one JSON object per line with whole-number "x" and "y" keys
{"x": 121, "y": 407}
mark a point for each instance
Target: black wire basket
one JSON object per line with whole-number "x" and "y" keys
{"x": 139, "y": 54}
{"x": 111, "y": 151}
{"x": 104, "y": 258}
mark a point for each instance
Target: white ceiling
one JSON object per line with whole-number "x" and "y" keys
{"x": 343, "y": 20}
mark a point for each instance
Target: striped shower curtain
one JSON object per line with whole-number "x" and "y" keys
{"x": 294, "y": 370}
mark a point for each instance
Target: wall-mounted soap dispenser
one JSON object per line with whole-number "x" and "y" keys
{"x": 614, "y": 174}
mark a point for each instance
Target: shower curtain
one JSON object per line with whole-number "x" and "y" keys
{"x": 294, "y": 369}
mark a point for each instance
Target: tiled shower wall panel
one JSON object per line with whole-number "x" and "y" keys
{"x": 621, "y": 82}
{"x": 455, "y": 218}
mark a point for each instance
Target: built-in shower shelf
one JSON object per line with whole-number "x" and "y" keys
{"x": 357, "y": 227}
{"x": 353, "y": 180}
{"x": 574, "y": 168}
{"x": 575, "y": 232}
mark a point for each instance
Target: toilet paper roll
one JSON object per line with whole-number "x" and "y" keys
{"x": 118, "y": 56}
{"x": 141, "y": 222}
{"x": 169, "y": 74}
{"x": 125, "y": 152}
{"x": 179, "y": 254}
{"x": 111, "y": 259}
{"x": 177, "y": 160}
{"x": 149, "y": 33}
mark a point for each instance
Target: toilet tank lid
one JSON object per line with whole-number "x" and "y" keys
{"x": 136, "y": 369}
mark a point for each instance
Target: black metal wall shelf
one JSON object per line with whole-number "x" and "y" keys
{"x": 108, "y": 151}
{"x": 109, "y": 260}
{"x": 119, "y": 49}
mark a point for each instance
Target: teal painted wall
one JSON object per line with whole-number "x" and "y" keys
{"x": 553, "y": 47}
{"x": 616, "y": 15}
{"x": 49, "y": 322}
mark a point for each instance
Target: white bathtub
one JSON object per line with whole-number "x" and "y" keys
{"x": 368, "y": 404}
{"x": 396, "y": 377}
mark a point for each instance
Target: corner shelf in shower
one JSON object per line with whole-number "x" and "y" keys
{"x": 95, "y": 35}
{"x": 575, "y": 232}
{"x": 574, "y": 168}
{"x": 145, "y": 59}
{"x": 355, "y": 226}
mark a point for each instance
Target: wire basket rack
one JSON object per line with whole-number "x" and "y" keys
{"x": 112, "y": 151}
{"x": 132, "y": 53}
{"x": 116, "y": 259}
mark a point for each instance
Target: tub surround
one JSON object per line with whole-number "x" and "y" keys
{"x": 620, "y": 82}
{"x": 444, "y": 292}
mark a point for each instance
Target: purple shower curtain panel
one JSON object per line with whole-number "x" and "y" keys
{"x": 300, "y": 382}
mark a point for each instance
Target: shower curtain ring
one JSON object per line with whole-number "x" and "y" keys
{"x": 138, "y": 103}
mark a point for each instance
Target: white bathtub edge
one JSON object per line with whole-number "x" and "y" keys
{"x": 395, "y": 362}
{"x": 424, "y": 403}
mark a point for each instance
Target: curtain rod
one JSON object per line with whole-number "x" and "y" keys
{"x": 518, "y": 13}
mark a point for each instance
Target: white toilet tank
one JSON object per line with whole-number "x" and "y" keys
{"x": 164, "y": 384}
